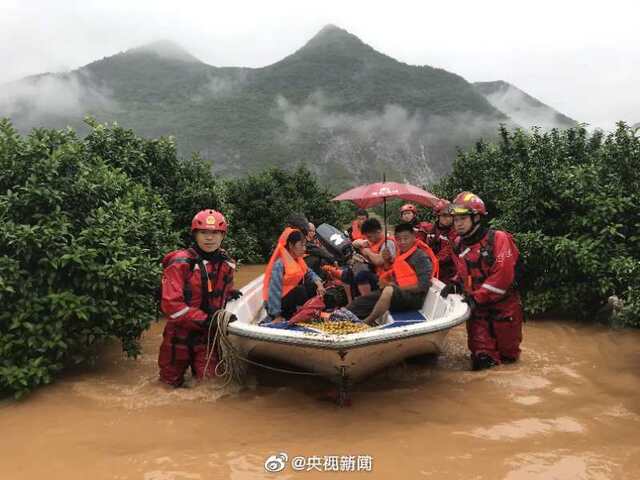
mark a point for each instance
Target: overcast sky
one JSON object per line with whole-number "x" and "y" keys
{"x": 582, "y": 58}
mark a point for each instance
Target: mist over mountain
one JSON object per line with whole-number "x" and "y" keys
{"x": 521, "y": 107}
{"x": 345, "y": 110}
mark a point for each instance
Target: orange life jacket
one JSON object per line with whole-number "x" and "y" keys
{"x": 405, "y": 275}
{"x": 377, "y": 248}
{"x": 356, "y": 233}
{"x": 294, "y": 270}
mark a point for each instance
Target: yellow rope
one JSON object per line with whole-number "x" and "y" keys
{"x": 231, "y": 365}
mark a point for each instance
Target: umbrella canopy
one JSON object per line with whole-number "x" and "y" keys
{"x": 367, "y": 196}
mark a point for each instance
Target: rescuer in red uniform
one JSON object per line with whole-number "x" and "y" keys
{"x": 441, "y": 236}
{"x": 486, "y": 265}
{"x": 196, "y": 282}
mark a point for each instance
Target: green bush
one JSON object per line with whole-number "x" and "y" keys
{"x": 85, "y": 223}
{"x": 186, "y": 186}
{"x": 572, "y": 199}
{"x": 80, "y": 244}
{"x": 263, "y": 201}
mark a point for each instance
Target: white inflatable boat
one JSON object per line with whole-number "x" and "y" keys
{"x": 349, "y": 358}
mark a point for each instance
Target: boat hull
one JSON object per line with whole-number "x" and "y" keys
{"x": 344, "y": 358}
{"x": 352, "y": 364}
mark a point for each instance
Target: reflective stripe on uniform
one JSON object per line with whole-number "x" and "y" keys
{"x": 179, "y": 313}
{"x": 493, "y": 289}
{"x": 466, "y": 250}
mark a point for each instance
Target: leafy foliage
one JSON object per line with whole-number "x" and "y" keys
{"x": 85, "y": 224}
{"x": 572, "y": 199}
{"x": 263, "y": 201}
{"x": 79, "y": 243}
{"x": 185, "y": 186}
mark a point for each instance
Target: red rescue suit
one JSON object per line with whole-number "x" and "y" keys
{"x": 189, "y": 297}
{"x": 441, "y": 242}
{"x": 422, "y": 230}
{"x": 486, "y": 269}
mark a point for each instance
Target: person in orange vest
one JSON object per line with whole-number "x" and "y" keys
{"x": 196, "y": 282}
{"x": 288, "y": 282}
{"x": 406, "y": 285}
{"x": 362, "y": 275}
{"x": 488, "y": 265}
{"x": 354, "y": 231}
{"x": 371, "y": 248}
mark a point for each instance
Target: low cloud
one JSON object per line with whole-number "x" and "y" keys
{"x": 34, "y": 101}
{"x": 521, "y": 108}
{"x": 411, "y": 145}
{"x": 222, "y": 85}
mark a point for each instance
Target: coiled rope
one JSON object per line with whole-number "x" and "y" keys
{"x": 232, "y": 366}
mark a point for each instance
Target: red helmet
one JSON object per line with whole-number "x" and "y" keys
{"x": 442, "y": 207}
{"x": 209, "y": 220}
{"x": 407, "y": 207}
{"x": 467, "y": 203}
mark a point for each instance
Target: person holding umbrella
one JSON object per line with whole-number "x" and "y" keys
{"x": 367, "y": 196}
{"x": 354, "y": 231}
{"x": 364, "y": 269}
{"x": 407, "y": 282}
{"x": 372, "y": 248}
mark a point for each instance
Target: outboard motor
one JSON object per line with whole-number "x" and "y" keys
{"x": 335, "y": 241}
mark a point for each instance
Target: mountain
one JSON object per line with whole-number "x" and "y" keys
{"x": 345, "y": 110}
{"x": 522, "y": 108}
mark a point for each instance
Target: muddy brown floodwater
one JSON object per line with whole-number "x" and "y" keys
{"x": 569, "y": 410}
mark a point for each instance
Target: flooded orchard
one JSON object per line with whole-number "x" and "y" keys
{"x": 569, "y": 410}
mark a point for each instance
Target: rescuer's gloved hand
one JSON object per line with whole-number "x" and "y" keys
{"x": 235, "y": 295}
{"x": 448, "y": 289}
{"x": 469, "y": 300}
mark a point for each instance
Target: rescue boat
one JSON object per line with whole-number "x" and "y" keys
{"x": 347, "y": 358}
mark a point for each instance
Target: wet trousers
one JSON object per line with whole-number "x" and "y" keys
{"x": 181, "y": 350}
{"x": 496, "y": 333}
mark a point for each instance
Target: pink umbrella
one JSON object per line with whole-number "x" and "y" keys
{"x": 366, "y": 196}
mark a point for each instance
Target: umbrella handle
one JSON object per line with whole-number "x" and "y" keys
{"x": 384, "y": 244}
{"x": 384, "y": 199}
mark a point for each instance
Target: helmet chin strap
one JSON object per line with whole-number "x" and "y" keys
{"x": 474, "y": 229}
